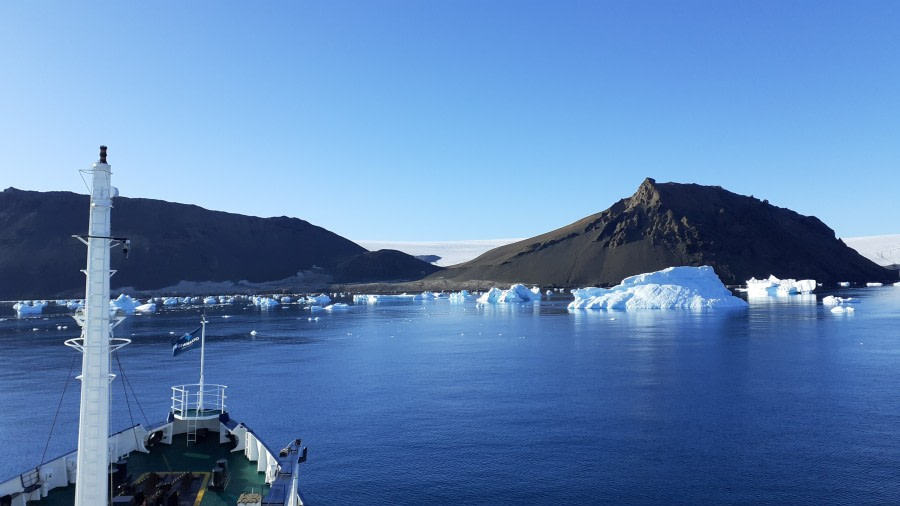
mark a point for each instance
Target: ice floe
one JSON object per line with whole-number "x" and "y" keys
{"x": 672, "y": 288}
{"x": 874, "y": 284}
{"x": 839, "y": 305}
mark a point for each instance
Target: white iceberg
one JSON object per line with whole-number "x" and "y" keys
{"x": 874, "y": 284}
{"x": 672, "y": 288}
{"x": 146, "y": 308}
{"x": 338, "y": 306}
{"x": 25, "y": 308}
{"x": 516, "y": 293}
{"x": 321, "y": 300}
{"x": 461, "y": 297}
{"x": 779, "y": 287}
{"x": 264, "y": 302}
{"x": 375, "y": 299}
{"x": 843, "y": 284}
{"x": 425, "y": 296}
{"x": 210, "y": 300}
{"x": 124, "y": 303}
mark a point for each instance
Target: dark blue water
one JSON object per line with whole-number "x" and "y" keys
{"x": 781, "y": 403}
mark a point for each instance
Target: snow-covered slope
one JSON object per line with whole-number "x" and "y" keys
{"x": 451, "y": 252}
{"x": 881, "y": 249}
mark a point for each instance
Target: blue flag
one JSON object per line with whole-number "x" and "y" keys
{"x": 185, "y": 342}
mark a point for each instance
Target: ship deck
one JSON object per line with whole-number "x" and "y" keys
{"x": 169, "y": 462}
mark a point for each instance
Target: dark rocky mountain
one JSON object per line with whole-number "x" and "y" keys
{"x": 672, "y": 224}
{"x": 173, "y": 243}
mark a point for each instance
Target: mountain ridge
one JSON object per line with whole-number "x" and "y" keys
{"x": 171, "y": 243}
{"x": 671, "y": 224}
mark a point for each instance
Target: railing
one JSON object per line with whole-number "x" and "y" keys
{"x": 190, "y": 401}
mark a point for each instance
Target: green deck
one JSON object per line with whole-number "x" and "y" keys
{"x": 179, "y": 457}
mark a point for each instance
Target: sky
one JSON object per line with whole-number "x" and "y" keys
{"x": 446, "y": 120}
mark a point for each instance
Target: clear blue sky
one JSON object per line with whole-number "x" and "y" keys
{"x": 451, "y": 119}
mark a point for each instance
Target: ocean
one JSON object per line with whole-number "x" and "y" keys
{"x": 783, "y": 402}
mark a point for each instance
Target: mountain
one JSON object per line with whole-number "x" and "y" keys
{"x": 673, "y": 224}
{"x": 171, "y": 243}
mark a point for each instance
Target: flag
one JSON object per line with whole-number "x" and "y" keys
{"x": 185, "y": 342}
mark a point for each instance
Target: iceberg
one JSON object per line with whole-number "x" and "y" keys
{"x": 516, "y": 293}
{"x": 375, "y": 299}
{"x": 321, "y": 300}
{"x": 29, "y": 307}
{"x": 843, "y": 284}
{"x": 125, "y": 303}
{"x": 672, "y": 288}
{"x": 778, "y": 287}
{"x": 425, "y": 296}
{"x": 264, "y": 302}
{"x": 874, "y": 284}
{"x": 461, "y": 297}
{"x": 338, "y": 306}
{"x": 210, "y": 300}
{"x": 146, "y": 308}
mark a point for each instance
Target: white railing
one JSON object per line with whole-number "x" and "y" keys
{"x": 196, "y": 401}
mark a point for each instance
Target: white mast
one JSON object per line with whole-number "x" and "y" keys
{"x": 92, "y": 473}
{"x": 202, "y": 355}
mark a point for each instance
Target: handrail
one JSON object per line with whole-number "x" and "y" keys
{"x": 198, "y": 401}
